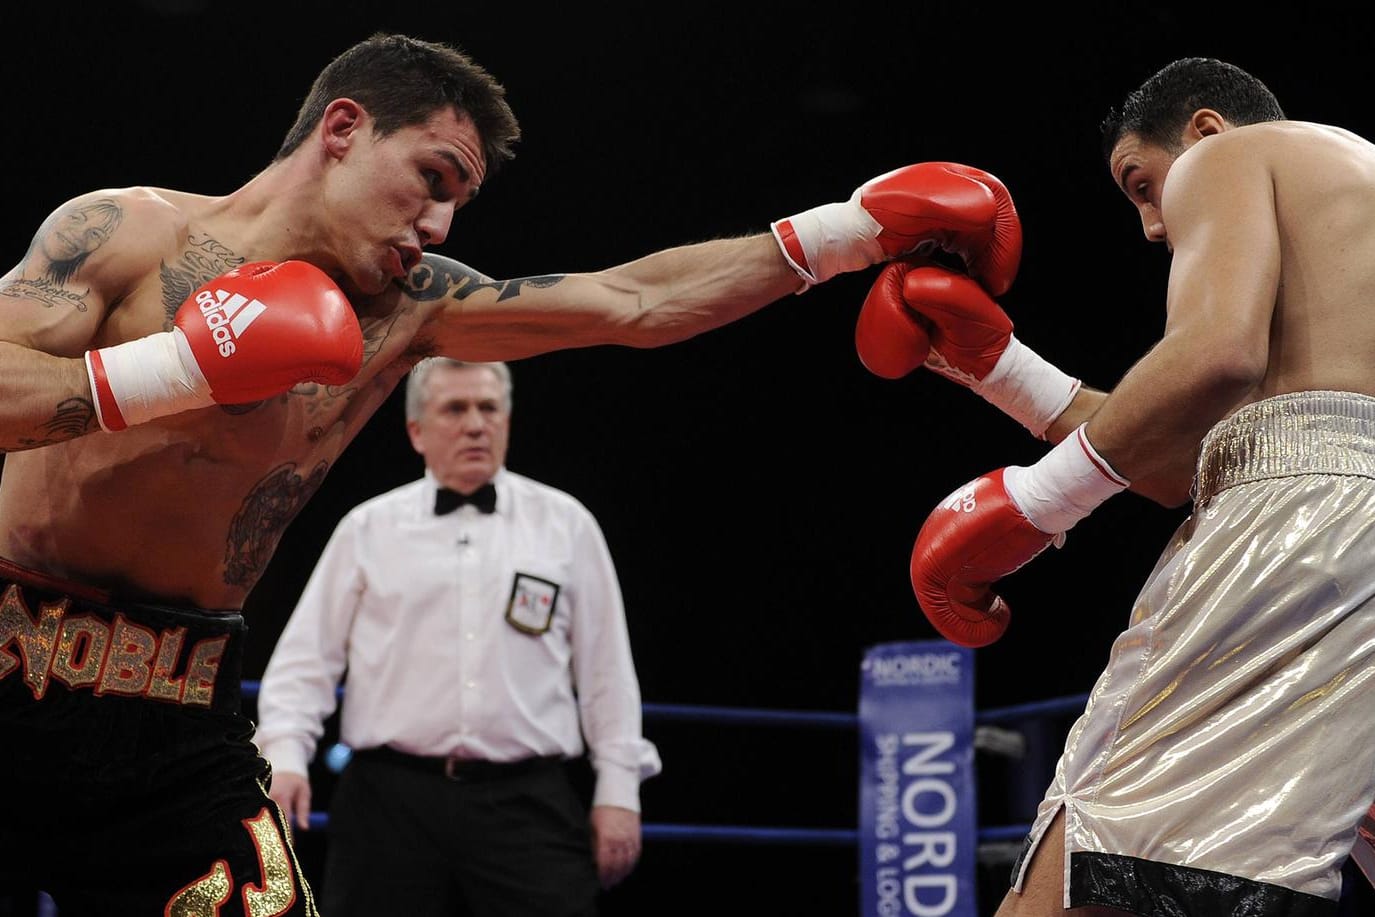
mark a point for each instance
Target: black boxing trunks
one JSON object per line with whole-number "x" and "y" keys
{"x": 132, "y": 784}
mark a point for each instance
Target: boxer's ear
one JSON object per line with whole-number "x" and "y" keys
{"x": 342, "y": 120}
{"x": 1205, "y": 123}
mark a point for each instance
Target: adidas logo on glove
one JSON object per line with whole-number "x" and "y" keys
{"x": 962, "y": 500}
{"x": 228, "y": 316}
{"x": 312, "y": 335}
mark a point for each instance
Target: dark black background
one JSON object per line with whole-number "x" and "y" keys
{"x": 760, "y": 491}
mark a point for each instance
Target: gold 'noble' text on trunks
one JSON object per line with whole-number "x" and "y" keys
{"x": 109, "y": 657}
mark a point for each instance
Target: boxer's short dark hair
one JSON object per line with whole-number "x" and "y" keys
{"x": 402, "y": 81}
{"x": 1159, "y": 109}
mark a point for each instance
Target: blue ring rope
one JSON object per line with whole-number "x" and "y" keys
{"x": 742, "y": 834}
{"x": 1070, "y": 704}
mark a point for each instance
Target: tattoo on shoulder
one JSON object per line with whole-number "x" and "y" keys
{"x": 59, "y": 249}
{"x": 203, "y": 260}
{"x": 435, "y": 278}
{"x": 72, "y": 235}
{"x": 258, "y": 525}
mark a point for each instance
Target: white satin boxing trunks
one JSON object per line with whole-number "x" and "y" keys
{"x": 1227, "y": 753}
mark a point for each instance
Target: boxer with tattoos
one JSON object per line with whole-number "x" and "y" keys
{"x": 178, "y": 373}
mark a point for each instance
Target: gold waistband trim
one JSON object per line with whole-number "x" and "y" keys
{"x": 1299, "y": 433}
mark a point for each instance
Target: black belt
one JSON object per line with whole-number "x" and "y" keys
{"x": 460, "y": 769}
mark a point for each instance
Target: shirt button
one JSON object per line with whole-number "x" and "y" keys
{"x": 469, "y": 635}
{"x": 470, "y": 683}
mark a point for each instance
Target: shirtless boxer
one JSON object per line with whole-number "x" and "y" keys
{"x": 1222, "y": 765}
{"x": 181, "y": 371}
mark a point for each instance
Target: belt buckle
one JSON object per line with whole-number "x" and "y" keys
{"x": 451, "y": 764}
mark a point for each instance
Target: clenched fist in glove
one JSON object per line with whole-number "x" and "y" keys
{"x": 249, "y": 334}
{"x": 996, "y": 524}
{"x": 957, "y": 208}
{"x": 922, "y": 314}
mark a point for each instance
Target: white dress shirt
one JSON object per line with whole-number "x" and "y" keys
{"x": 431, "y": 616}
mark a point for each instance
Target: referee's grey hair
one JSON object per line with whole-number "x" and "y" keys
{"x": 417, "y": 383}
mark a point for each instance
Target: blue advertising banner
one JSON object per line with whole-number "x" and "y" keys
{"x": 917, "y": 817}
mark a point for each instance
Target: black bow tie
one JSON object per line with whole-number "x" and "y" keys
{"x": 484, "y": 498}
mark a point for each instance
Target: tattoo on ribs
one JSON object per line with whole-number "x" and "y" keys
{"x": 203, "y": 261}
{"x": 432, "y": 279}
{"x": 259, "y": 523}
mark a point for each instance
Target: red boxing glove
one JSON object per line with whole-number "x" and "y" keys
{"x": 976, "y": 536}
{"x": 996, "y": 524}
{"x": 957, "y": 208}
{"x": 919, "y": 314}
{"x": 890, "y": 338}
{"x": 249, "y": 334}
{"x": 969, "y": 331}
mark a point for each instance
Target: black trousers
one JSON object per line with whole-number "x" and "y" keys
{"x": 406, "y": 841}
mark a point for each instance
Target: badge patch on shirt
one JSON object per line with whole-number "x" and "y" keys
{"x": 531, "y": 608}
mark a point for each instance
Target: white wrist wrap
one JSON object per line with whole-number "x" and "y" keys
{"x": 1067, "y": 484}
{"x": 148, "y": 377}
{"x": 1027, "y": 388}
{"x": 834, "y": 238}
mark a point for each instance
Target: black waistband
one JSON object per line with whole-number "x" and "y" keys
{"x": 57, "y": 636}
{"x": 459, "y": 769}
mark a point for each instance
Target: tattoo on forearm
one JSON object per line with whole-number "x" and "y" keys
{"x": 203, "y": 261}
{"x": 434, "y": 279}
{"x": 73, "y": 417}
{"x": 264, "y": 515}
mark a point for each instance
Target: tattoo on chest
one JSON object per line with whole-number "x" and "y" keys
{"x": 59, "y": 249}
{"x": 433, "y": 279}
{"x": 260, "y": 521}
{"x": 203, "y": 261}
{"x": 322, "y": 399}
{"x": 375, "y": 334}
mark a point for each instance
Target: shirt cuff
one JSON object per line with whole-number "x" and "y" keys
{"x": 287, "y": 756}
{"x": 617, "y": 786}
